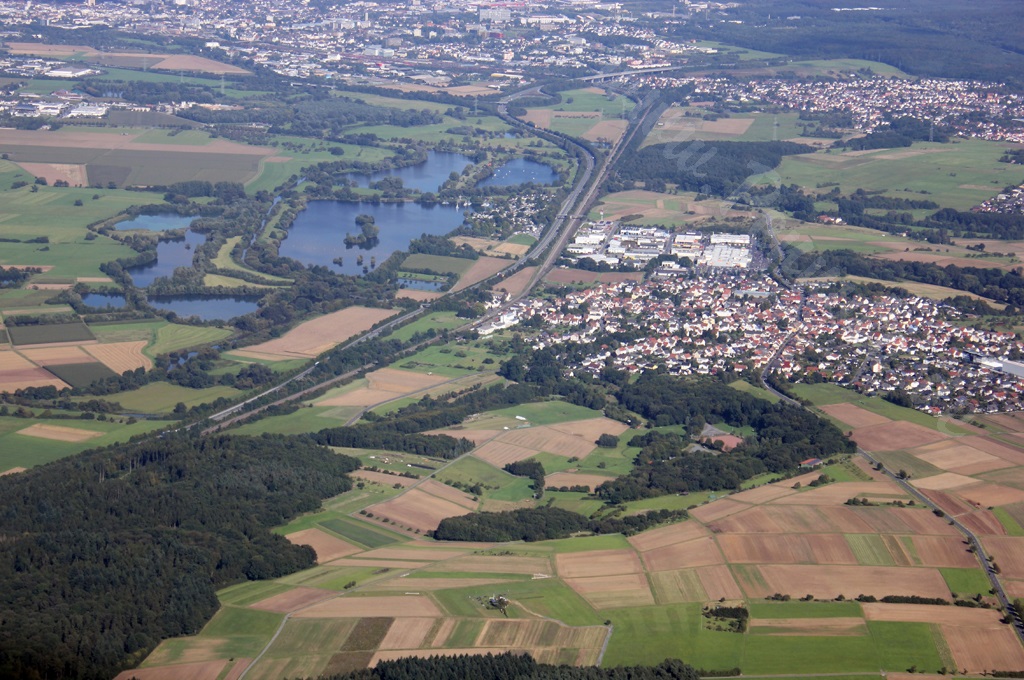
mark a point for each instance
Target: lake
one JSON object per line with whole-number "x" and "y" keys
{"x": 520, "y": 171}
{"x": 162, "y": 222}
{"x": 318, "y": 233}
{"x": 101, "y": 300}
{"x": 427, "y": 176}
{"x": 205, "y": 307}
{"x": 169, "y": 256}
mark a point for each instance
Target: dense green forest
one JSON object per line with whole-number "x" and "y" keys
{"x": 784, "y": 436}
{"x": 545, "y": 523}
{"x": 716, "y": 168}
{"x": 106, "y": 553}
{"x": 511, "y": 666}
{"x": 939, "y": 38}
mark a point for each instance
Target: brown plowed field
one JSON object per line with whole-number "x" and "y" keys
{"x": 418, "y": 510}
{"x": 394, "y": 564}
{"x": 1008, "y": 552}
{"x": 428, "y": 554}
{"x": 597, "y": 563}
{"x": 591, "y": 481}
{"x": 476, "y": 436}
{"x": 500, "y": 454}
{"x": 289, "y": 601}
{"x": 718, "y": 509}
{"x": 207, "y": 670}
{"x": 402, "y": 382}
{"x": 697, "y": 553}
{"x": 895, "y": 435}
{"x": 943, "y": 551}
{"x": 834, "y": 626}
{"x": 825, "y": 582}
{"x": 483, "y": 268}
{"x": 407, "y": 633}
{"x": 924, "y": 613}
{"x": 981, "y": 649}
{"x": 17, "y": 372}
{"x": 608, "y": 592}
{"x": 591, "y": 428}
{"x": 544, "y": 438}
{"x": 663, "y": 536}
{"x": 398, "y": 606}
{"x": 783, "y": 549}
{"x": 504, "y": 564}
{"x": 764, "y": 494}
{"x": 920, "y": 522}
{"x": 1011, "y": 455}
{"x": 991, "y": 495}
{"x": 854, "y": 416}
{"x": 327, "y": 547}
{"x": 718, "y": 582}
{"x": 56, "y": 356}
{"x": 121, "y": 356}
{"x": 443, "y": 632}
{"x": 59, "y": 433}
{"x": 418, "y": 295}
{"x": 309, "y": 339}
{"x": 448, "y": 493}
{"x": 609, "y": 130}
{"x": 382, "y": 478}
{"x": 839, "y": 493}
{"x": 945, "y": 480}
{"x": 948, "y": 502}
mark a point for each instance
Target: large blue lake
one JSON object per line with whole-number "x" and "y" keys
{"x": 520, "y": 171}
{"x": 207, "y": 308}
{"x": 169, "y": 256}
{"x": 101, "y": 300}
{"x": 428, "y": 176}
{"x": 155, "y": 222}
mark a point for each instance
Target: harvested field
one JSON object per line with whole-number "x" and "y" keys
{"x": 981, "y": 649}
{"x": 947, "y": 480}
{"x": 476, "y": 436}
{"x": 826, "y": 626}
{"x": 943, "y": 551}
{"x": 716, "y": 510}
{"x": 682, "y": 585}
{"x": 483, "y": 268}
{"x": 418, "y": 295}
{"x": 924, "y": 613}
{"x": 786, "y": 549}
{"x": 854, "y": 416}
{"x": 448, "y": 493}
{"x": 718, "y": 582}
{"x": 443, "y": 632}
{"x": 1008, "y": 552}
{"x": 765, "y": 494}
{"x": 289, "y": 601}
{"x": 327, "y": 547}
{"x": 503, "y": 564}
{"x": 697, "y": 553}
{"x": 597, "y": 563}
{"x": 591, "y": 428}
{"x": 545, "y": 438}
{"x": 59, "y": 433}
{"x": 206, "y": 670}
{"x": 56, "y": 356}
{"x": 12, "y": 471}
{"x": 188, "y": 62}
{"x": 566, "y": 275}
{"x": 73, "y": 174}
{"x": 398, "y": 606}
{"x": 407, "y": 633}
{"x": 560, "y": 479}
{"x": 534, "y": 633}
{"x": 953, "y": 454}
{"x": 606, "y": 130}
{"x": 402, "y": 382}
{"x": 121, "y": 356}
{"x": 360, "y": 562}
{"x": 414, "y": 584}
{"x": 1011, "y": 455}
{"x": 312, "y": 338}
{"x": 838, "y": 493}
{"x": 663, "y": 536}
{"x": 382, "y": 478}
{"x": 606, "y": 592}
{"x": 991, "y": 495}
{"x": 418, "y": 510}
{"x": 428, "y": 554}
{"x": 516, "y": 284}
{"x": 825, "y": 582}
{"x": 948, "y": 502}
{"x": 895, "y": 435}
{"x": 539, "y": 117}
{"x": 17, "y": 372}
{"x": 500, "y": 454}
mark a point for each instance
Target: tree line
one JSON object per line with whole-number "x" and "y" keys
{"x": 545, "y": 523}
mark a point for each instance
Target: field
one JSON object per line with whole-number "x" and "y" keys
{"x": 312, "y": 338}
{"x": 171, "y": 62}
{"x": 27, "y": 443}
{"x": 589, "y": 113}
{"x": 958, "y": 175}
{"x": 668, "y": 210}
{"x": 680, "y": 125}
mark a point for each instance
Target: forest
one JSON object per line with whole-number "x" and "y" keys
{"x": 509, "y": 666}
{"x": 108, "y": 552}
{"x": 545, "y": 523}
{"x": 784, "y": 435}
{"x": 716, "y": 168}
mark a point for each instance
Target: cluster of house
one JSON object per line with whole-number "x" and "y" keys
{"x": 613, "y": 243}
{"x": 971, "y": 108}
{"x": 720, "y": 321}
{"x": 1006, "y": 202}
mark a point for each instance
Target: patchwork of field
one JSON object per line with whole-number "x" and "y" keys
{"x": 569, "y": 439}
{"x": 145, "y": 60}
{"x": 312, "y": 338}
{"x": 588, "y": 113}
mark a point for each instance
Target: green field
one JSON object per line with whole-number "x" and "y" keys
{"x": 224, "y": 261}
{"x": 958, "y": 175}
{"x": 438, "y": 321}
{"x": 757, "y": 127}
{"x": 172, "y": 337}
{"x": 17, "y": 450}
{"x": 966, "y": 582}
{"x": 161, "y": 397}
